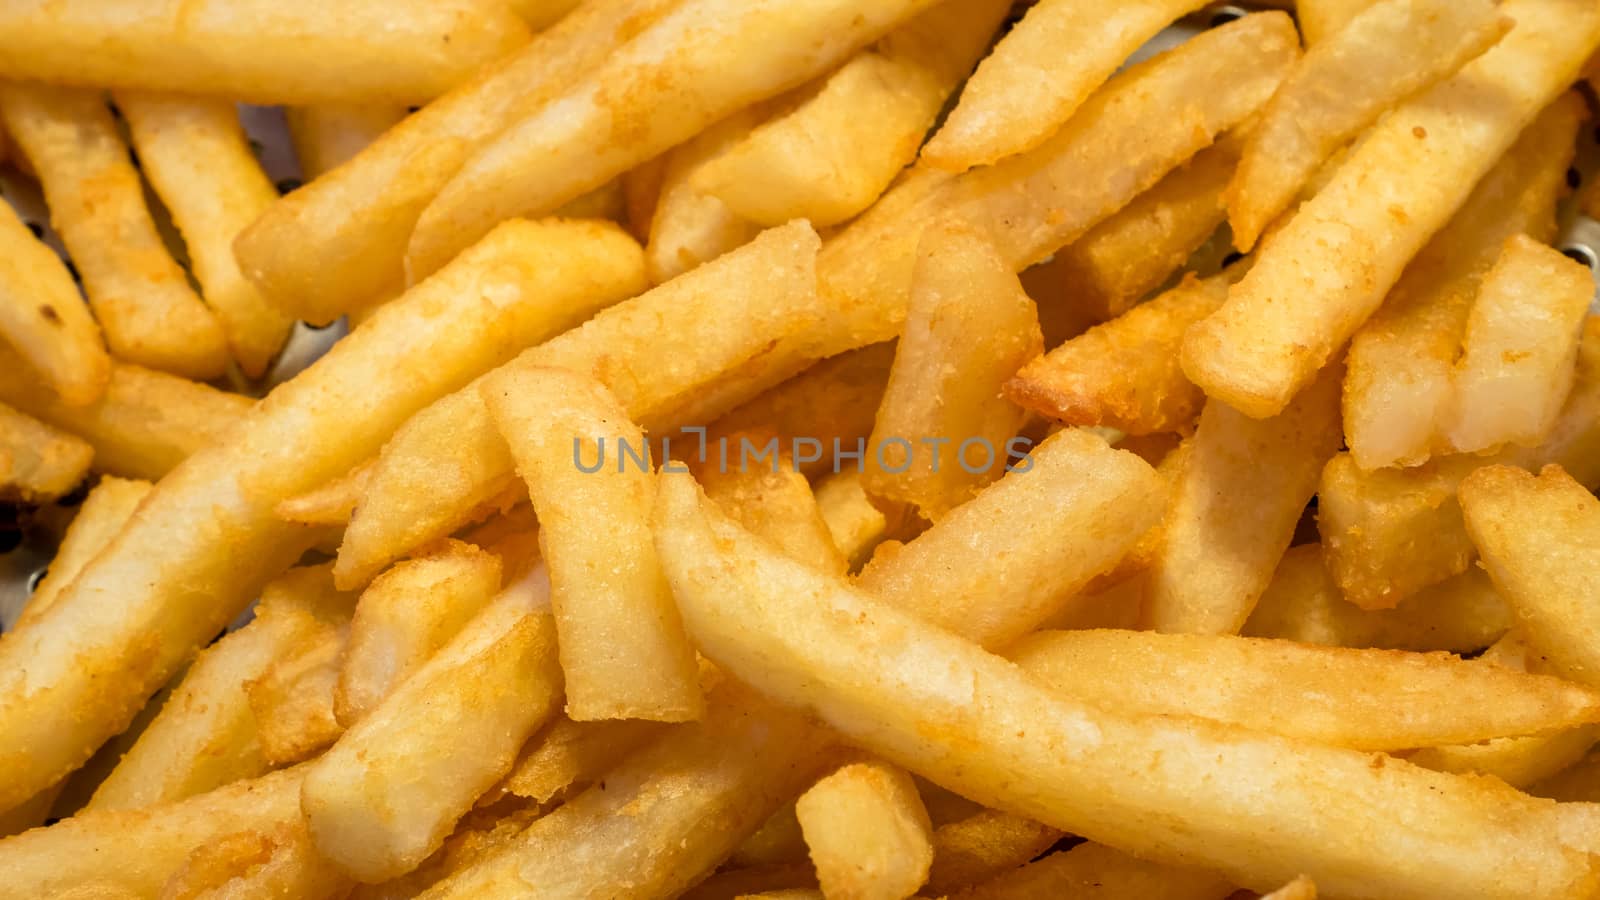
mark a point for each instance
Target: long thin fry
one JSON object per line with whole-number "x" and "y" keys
{"x": 44, "y": 319}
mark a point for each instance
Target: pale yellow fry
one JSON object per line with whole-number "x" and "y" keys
{"x": 38, "y": 462}
{"x": 623, "y": 652}
{"x": 330, "y": 504}
{"x": 827, "y": 160}
{"x": 1026, "y": 88}
{"x": 197, "y": 158}
{"x": 275, "y": 862}
{"x": 326, "y": 137}
{"x": 1124, "y": 374}
{"x": 139, "y": 294}
{"x": 854, "y": 522}
{"x": 103, "y": 513}
{"x": 698, "y": 63}
{"x": 569, "y": 756}
{"x": 44, "y": 318}
{"x": 1319, "y": 278}
{"x": 292, "y": 701}
{"x": 1398, "y": 385}
{"x": 394, "y": 786}
{"x": 1521, "y": 344}
{"x": 689, "y": 226}
{"x": 1362, "y": 699}
{"x": 1092, "y": 870}
{"x": 206, "y": 537}
{"x": 867, "y": 832}
{"x": 776, "y": 502}
{"x": 404, "y": 51}
{"x": 984, "y": 845}
{"x": 143, "y": 425}
{"x": 1388, "y": 52}
{"x": 405, "y": 616}
{"x": 1267, "y": 809}
{"x": 1322, "y": 19}
{"x": 943, "y": 428}
{"x": 1237, "y": 498}
{"x": 1518, "y": 761}
{"x": 335, "y": 246}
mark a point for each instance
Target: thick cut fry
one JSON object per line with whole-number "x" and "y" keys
{"x": 280, "y": 862}
{"x": 569, "y": 756}
{"x": 1399, "y": 387}
{"x": 207, "y": 536}
{"x": 1125, "y": 374}
{"x": 868, "y": 833}
{"x": 854, "y": 522}
{"x": 623, "y": 652}
{"x": 975, "y": 572}
{"x": 943, "y": 428}
{"x": 394, "y": 786}
{"x": 326, "y": 137}
{"x": 1095, "y": 870}
{"x": 654, "y": 352}
{"x": 1024, "y": 90}
{"x": 260, "y": 50}
{"x": 332, "y": 503}
{"x": 1322, "y": 19}
{"x": 827, "y": 160}
{"x": 1389, "y": 52}
{"x": 1517, "y": 361}
{"x": 44, "y": 319}
{"x": 38, "y": 463}
{"x": 689, "y": 226}
{"x": 1240, "y": 491}
{"x": 144, "y": 424}
{"x": 197, "y": 159}
{"x": 292, "y": 702}
{"x": 1319, "y": 278}
{"x": 984, "y": 845}
{"x": 405, "y": 616}
{"x": 1271, "y": 807}
{"x": 1362, "y": 699}
{"x": 107, "y": 508}
{"x": 139, "y": 294}
{"x": 336, "y": 245}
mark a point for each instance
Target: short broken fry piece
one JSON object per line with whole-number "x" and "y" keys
{"x": 867, "y": 832}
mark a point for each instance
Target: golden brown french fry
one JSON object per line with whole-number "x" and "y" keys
{"x": 1319, "y": 278}
{"x": 38, "y": 462}
{"x": 1238, "y": 495}
{"x": 697, "y": 64}
{"x": 1517, "y": 362}
{"x": 1398, "y": 385}
{"x": 776, "y": 502}
{"x": 855, "y": 524}
{"x": 1519, "y": 761}
{"x": 1091, "y": 869}
{"x": 653, "y": 352}
{"x": 405, "y": 616}
{"x": 279, "y": 862}
{"x": 867, "y": 832}
{"x": 969, "y": 328}
{"x": 104, "y": 512}
{"x": 326, "y": 137}
{"x": 569, "y": 756}
{"x": 688, "y": 225}
{"x": 623, "y": 653}
{"x": 332, "y": 503}
{"x": 983, "y": 846}
{"x": 392, "y": 789}
{"x": 828, "y": 159}
{"x": 45, "y": 320}
{"x": 144, "y": 424}
{"x": 206, "y": 537}
{"x": 139, "y": 294}
{"x": 1024, "y": 90}
{"x": 1362, "y": 699}
{"x": 1388, "y": 52}
{"x": 1284, "y": 806}
{"x": 1125, "y": 374}
{"x": 261, "y": 51}
{"x": 480, "y": 833}
{"x": 292, "y": 701}
{"x": 197, "y": 159}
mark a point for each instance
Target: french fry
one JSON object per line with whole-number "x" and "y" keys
{"x": 1023, "y": 92}
{"x": 969, "y": 328}
{"x": 1322, "y": 19}
{"x": 326, "y": 137}
{"x": 569, "y": 756}
{"x": 688, "y": 225}
{"x": 803, "y": 638}
{"x": 983, "y": 846}
{"x": 207, "y": 536}
{"x": 778, "y": 842}
{"x": 292, "y": 701}
{"x": 697, "y": 64}
{"x": 1124, "y": 374}
{"x": 44, "y": 319}
{"x": 1519, "y": 761}
{"x": 138, "y": 293}
{"x": 337, "y": 244}
{"x": 38, "y": 463}
{"x": 623, "y": 653}
{"x": 394, "y": 786}
{"x": 867, "y": 832}
{"x": 1362, "y": 699}
{"x": 1388, "y": 52}
{"x": 827, "y": 160}
{"x": 652, "y": 352}
{"x": 405, "y": 616}
{"x": 1095, "y": 869}
{"x": 855, "y": 524}
{"x": 776, "y": 503}
{"x": 143, "y": 425}
{"x": 197, "y": 159}
{"x": 1319, "y": 278}
{"x": 280, "y": 862}
{"x": 107, "y": 508}
{"x": 1517, "y": 362}
{"x": 1399, "y": 383}
{"x": 260, "y": 51}
{"x": 332, "y": 503}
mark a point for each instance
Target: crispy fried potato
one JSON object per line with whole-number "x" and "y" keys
{"x": 278, "y": 862}
{"x": 1097, "y": 870}
{"x": 45, "y": 320}
{"x": 1519, "y": 761}
{"x": 984, "y": 845}
{"x": 776, "y": 503}
{"x": 778, "y": 842}
{"x": 1322, "y": 19}
{"x": 107, "y": 508}
{"x": 855, "y": 524}
{"x": 1319, "y": 278}
{"x": 38, "y": 462}
{"x": 139, "y": 294}
{"x": 1024, "y": 90}
{"x": 688, "y": 225}
{"x": 326, "y": 137}
{"x": 292, "y": 701}
{"x": 569, "y": 756}
{"x": 867, "y": 832}
{"x": 331, "y": 504}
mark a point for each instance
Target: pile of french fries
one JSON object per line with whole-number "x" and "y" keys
{"x": 847, "y": 449}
